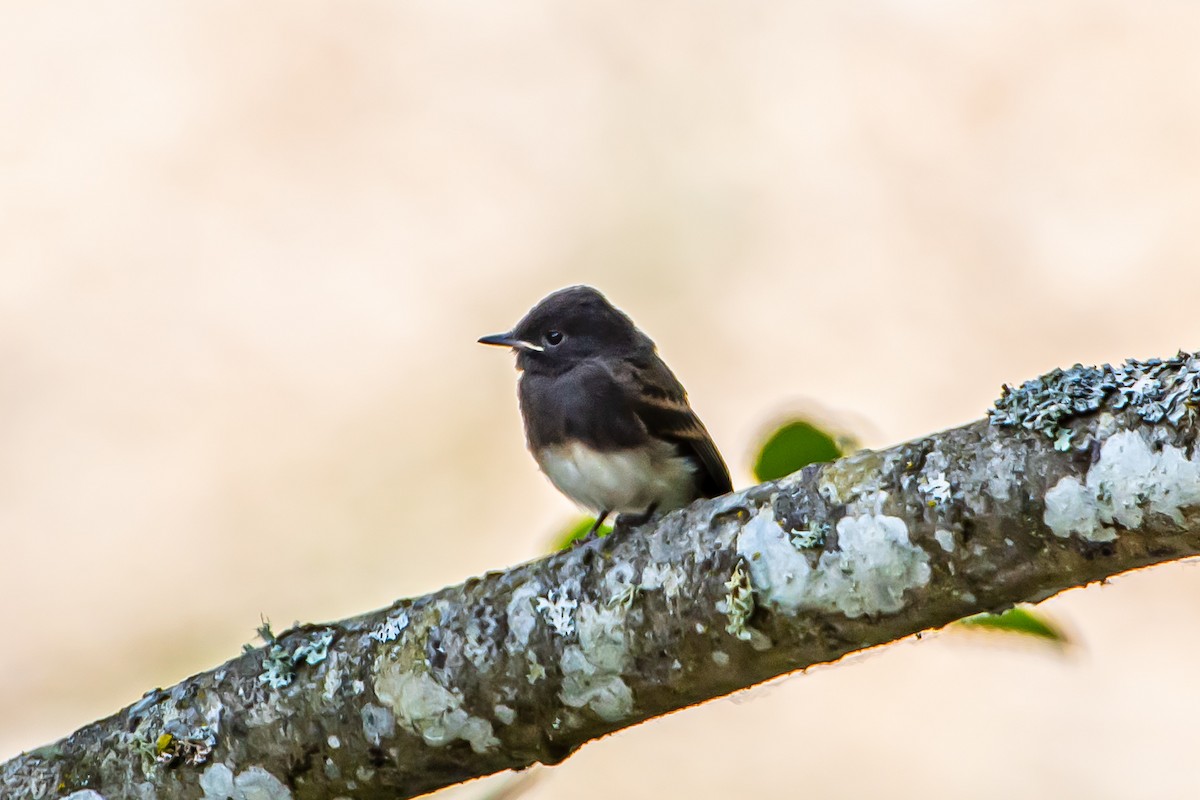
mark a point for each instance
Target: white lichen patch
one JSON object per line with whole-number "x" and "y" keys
{"x": 536, "y": 671}
{"x": 504, "y": 714}
{"x": 477, "y": 645}
{"x": 429, "y": 709}
{"x": 558, "y": 609}
{"x": 254, "y": 783}
{"x": 945, "y": 539}
{"x": 932, "y": 483}
{"x": 1129, "y": 480}
{"x": 333, "y": 679}
{"x": 378, "y": 723}
{"x": 522, "y": 618}
{"x": 592, "y": 669}
{"x": 934, "y": 488}
{"x": 390, "y": 629}
{"x": 217, "y": 782}
{"x": 1000, "y": 472}
{"x": 874, "y": 565}
{"x": 84, "y": 794}
{"x": 857, "y": 481}
{"x": 667, "y": 577}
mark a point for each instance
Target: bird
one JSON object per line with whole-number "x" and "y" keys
{"x": 605, "y": 418}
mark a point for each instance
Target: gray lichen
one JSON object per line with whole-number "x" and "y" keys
{"x": 1156, "y": 389}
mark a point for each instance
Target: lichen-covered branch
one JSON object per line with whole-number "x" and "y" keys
{"x": 1077, "y": 476}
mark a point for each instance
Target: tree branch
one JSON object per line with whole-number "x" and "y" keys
{"x": 1078, "y": 476}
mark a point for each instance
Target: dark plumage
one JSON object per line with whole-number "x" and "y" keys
{"x": 605, "y": 418}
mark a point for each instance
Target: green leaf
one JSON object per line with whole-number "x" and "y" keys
{"x": 577, "y": 531}
{"x": 794, "y": 445}
{"x": 1019, "y": 619}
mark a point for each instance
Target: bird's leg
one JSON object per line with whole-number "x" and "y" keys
{"x": 594, "y": 531}
{"x": 603, "y": 515}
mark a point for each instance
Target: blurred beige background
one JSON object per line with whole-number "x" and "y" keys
{"x": 246, "y": 250}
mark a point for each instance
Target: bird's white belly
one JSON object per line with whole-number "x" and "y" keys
{"x": 622, "y": 481}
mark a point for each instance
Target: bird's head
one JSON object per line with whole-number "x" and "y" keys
{"x": 567, "y": 327}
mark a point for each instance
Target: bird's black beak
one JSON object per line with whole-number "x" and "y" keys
{"x": 508, "y": 340}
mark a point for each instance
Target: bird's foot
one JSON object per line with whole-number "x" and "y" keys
{"x": 629, "y": 521}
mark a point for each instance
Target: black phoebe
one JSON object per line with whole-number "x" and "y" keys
{"x": 607, "y": 421}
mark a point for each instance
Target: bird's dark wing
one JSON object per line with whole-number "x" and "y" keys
{"x": 660, "y": 402}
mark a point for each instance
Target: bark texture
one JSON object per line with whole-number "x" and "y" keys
{"x": 1079, "y": 475}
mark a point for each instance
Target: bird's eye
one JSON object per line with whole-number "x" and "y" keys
{"x": 553, "y": 337}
